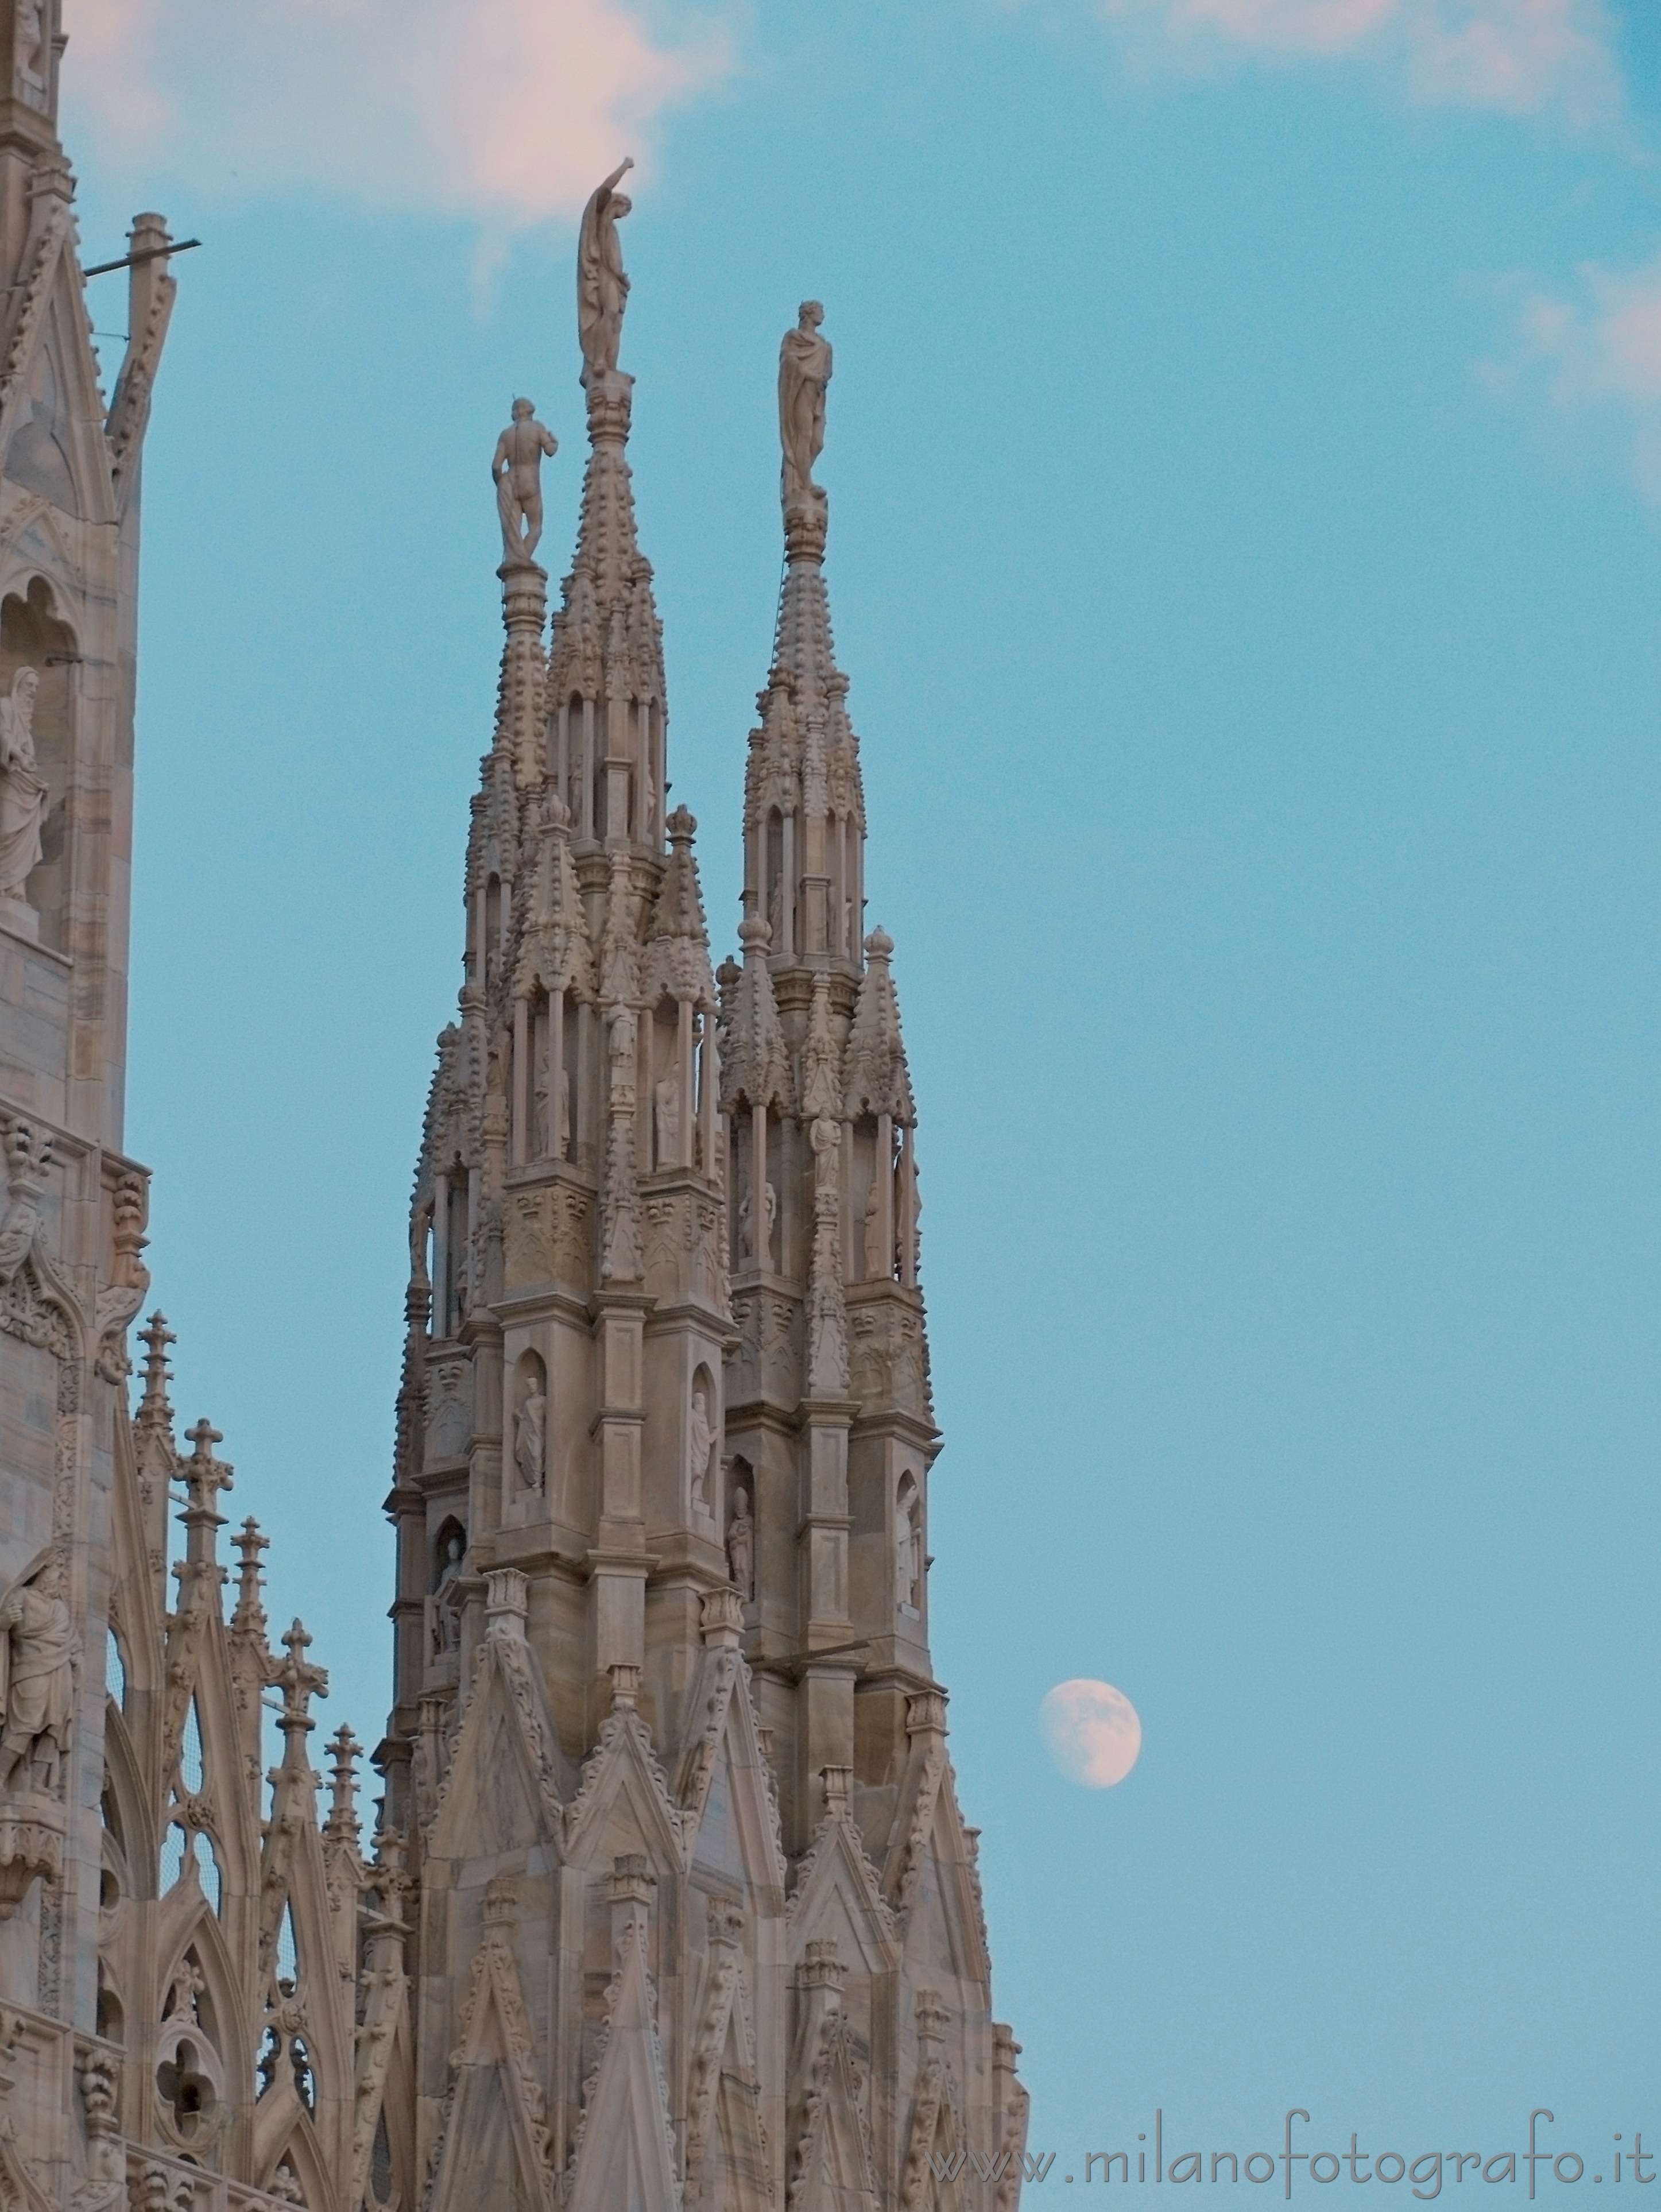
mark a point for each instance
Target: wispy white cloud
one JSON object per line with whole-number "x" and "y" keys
{"x": 1592, "y": 356}
{"x": 1523, "y": 57}
{"x": 505, "y": 111}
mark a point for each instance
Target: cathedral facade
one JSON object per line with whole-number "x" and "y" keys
{"x": 670, "y": 1903}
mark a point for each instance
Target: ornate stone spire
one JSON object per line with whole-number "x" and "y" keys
{"x": 606, "y": 704}
{"x": 804, "y": 814}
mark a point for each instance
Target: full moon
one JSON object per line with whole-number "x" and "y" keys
{"x": 1094, "y": 1731}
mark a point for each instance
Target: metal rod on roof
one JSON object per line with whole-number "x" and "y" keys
{"x": 150, "y": 253}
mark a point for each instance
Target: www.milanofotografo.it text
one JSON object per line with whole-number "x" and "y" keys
{"x": 1624, "y": 2162}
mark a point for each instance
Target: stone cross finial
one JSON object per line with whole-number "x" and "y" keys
{"x": 204, "y": 1477}
{"x": 300, "y": 1682}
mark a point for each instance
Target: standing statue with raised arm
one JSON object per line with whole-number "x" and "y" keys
{"x": 602, "y": 284}
{"x": 518, "y": 470}
{"x": 804, "y": 370}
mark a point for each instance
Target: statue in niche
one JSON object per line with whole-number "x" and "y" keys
{"x": 530, "y": 1435}
{"x": 907, "y": 1554}
{"x": 825, "y": 1135}
{"x": 561, "y": 1149}
{"x": 804, "y": 370}
{"x": 776, "y": 918}
{"x": 601, "y": 283}
{"x": 622, "y": 1049}
{"x": 31, "y": 51}
{"x": 38, "y": 1651}
{"x": 666, "y": 1103}
{"x": 22, "y": 786}
{"x": 769, "y": 1215}
{"x": 741, "y": 1544}
{"x": 877, "y": 1264}
{"x": 517, "y": 470}
{"x": 447, "y": 1605}
{"x": 701, "y": 1431}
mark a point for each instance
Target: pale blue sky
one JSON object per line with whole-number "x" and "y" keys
{"x": 1240, "y": 467}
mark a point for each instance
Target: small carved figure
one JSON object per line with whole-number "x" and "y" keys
{"x": 746, "y": 1233}
{"x": 530, "y": 1436}
{"x": 825, "y": 1135}
{"x": 804, "y": 370}
{"x": 22, "y": 786}
{"x": 741, "y": 1543}
{"x": 701, "y": 1438}
{"x": 666, "y": 1100}
{"x": 601, "y": 283}
{"x": 446, "y": 1610}
{"x": 876, "y": 1261}
{"x": 518, "y": 471}
{"x": 38, "y": 1651}
{"x": 31, "y": 50}
{"x": 908, "y": 1551}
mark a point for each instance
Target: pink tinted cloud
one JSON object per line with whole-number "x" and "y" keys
{"x": 508, "y": 111}
{"x": 1593, "y": 356}
{"x": 1522, "y": 55}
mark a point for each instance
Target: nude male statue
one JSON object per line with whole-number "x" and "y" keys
{"x": 517, "y": 469}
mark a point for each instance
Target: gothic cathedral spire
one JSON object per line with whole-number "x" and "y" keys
{"x": 698, "y": 1916}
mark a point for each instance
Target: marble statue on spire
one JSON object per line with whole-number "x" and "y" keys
{"x": 804, "y": 370}
{"x": 602, "y": 283}
{"x": 518, "y": 470}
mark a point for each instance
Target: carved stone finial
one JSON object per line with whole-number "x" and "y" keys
{"x": 822, "y": 1967}
{"x": 838, "y": 1781}
{"x": 344, "y": 1751}
{"x": 631, "y": 1878}
{"x": 249, "y": 1618}
{"x": 505, "y": 1602}
{"x": 925, "y": 1713}
{"x": 932, "y": 2019}
{"x": 300, "y": 1682}
{"x": 502, "y": 1901}
{"x": 204, "y": 1477}
{"x": 155, "y": 1336}
{"x": 625, "y": 1687}
{"x": 721, "y": 1620}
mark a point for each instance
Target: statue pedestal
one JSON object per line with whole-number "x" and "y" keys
{"x": 31, "y": 1845}
{"x": 17, "y": 915}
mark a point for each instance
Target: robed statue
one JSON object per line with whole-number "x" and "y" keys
{"x": 38, "y": 1651}
{"x": 804, "y": 370}
{"x": 602, "y": 284}
{"x": 518, "y": 470}
{"x": 22, "y": 786}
